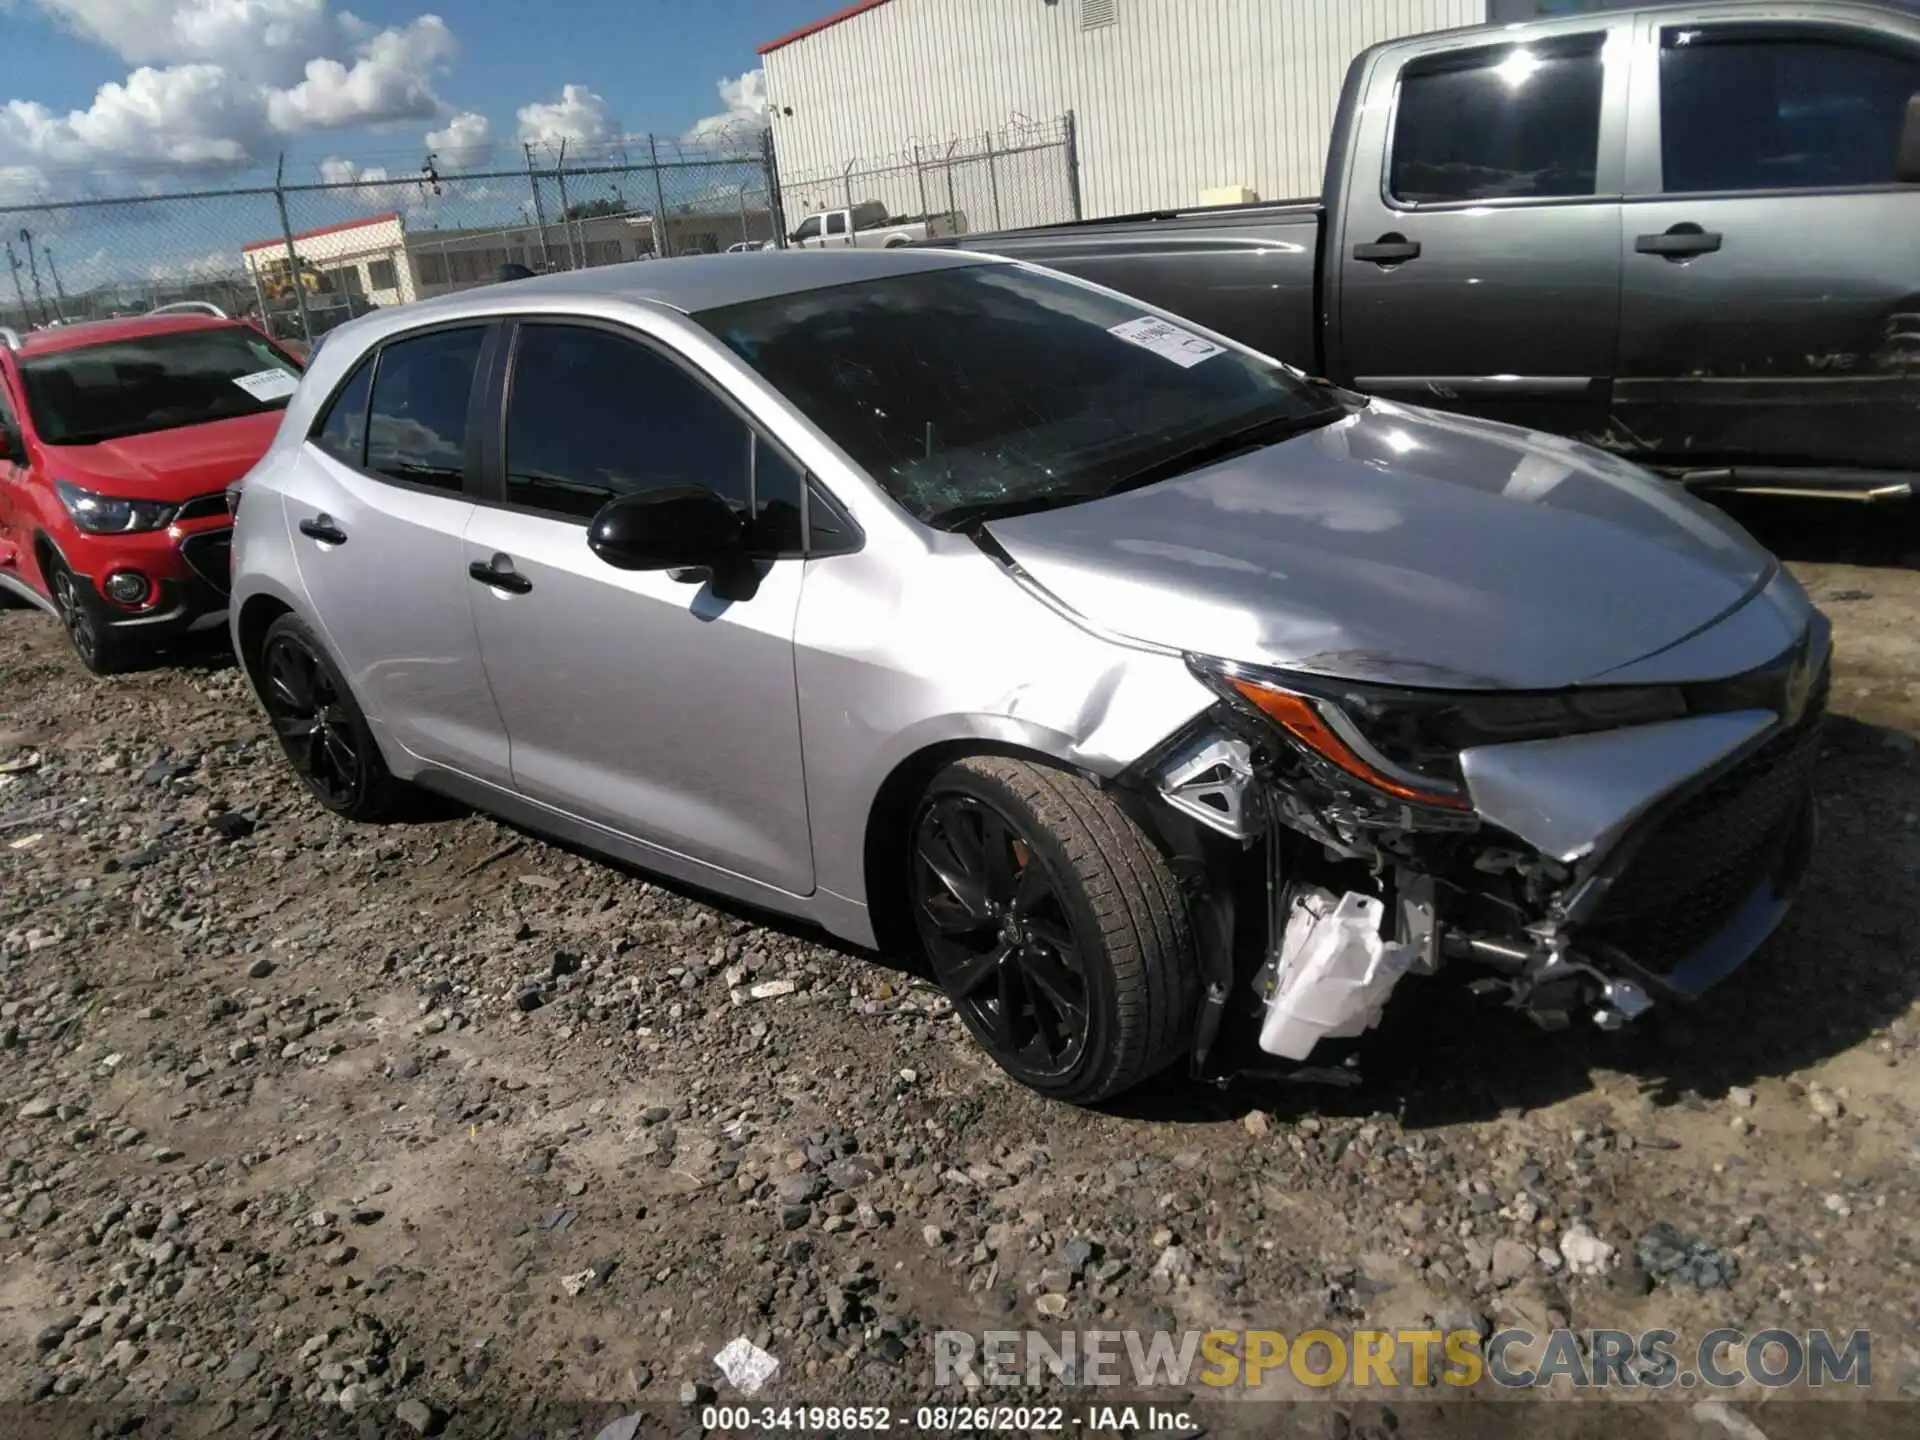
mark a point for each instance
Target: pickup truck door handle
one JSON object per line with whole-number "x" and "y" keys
{"x": 322, "y": 528}
{"x": 500, "y": 574}
{"x": 1679, "y": 242}
{"x": 1389, "y": 249}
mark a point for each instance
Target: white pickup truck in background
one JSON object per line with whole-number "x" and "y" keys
{"x": 868, "y": 226}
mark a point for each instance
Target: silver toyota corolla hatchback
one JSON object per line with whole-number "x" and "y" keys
{"x": 1166, "y": 701}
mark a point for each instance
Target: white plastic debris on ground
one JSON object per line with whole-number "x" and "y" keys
{"x": 746, "y": 1366}
{"x": 1334, "y": 972}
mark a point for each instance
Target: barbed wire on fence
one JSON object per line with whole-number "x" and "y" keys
{"x": 1019, "y": 174}
{"x": 300, "y": 256}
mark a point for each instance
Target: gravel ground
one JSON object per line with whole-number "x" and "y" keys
{"x": 312, "y": 1128}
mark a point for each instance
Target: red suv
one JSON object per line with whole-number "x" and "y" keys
{"x": 118, "y": 439}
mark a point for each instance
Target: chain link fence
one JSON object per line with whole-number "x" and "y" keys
{"x": 301, "y": 257}
{"x": 1026, "y": 173}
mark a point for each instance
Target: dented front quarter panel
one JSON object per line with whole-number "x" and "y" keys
{"x": 893, "y": 658}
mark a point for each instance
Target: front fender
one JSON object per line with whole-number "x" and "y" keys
{"x": 959, "y": 653}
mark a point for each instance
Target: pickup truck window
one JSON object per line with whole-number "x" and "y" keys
{"x": 836, "y": 223}
{"x": 1778, "y": 112}
{"x": 1500, "y": 123}
{"x": 986, "y": 390}
{"x": 809, "y": 228}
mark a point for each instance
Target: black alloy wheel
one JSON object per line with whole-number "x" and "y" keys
{"x": 319, "y": 726}
{"x": 1000, "y": 940}
{"x": 98, "y": 648}
{"x": 1054, "y": 924}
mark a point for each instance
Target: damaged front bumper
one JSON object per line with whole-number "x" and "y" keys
{"x": 1594, "y": 875}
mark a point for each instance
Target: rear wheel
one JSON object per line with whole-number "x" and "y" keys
{"x": 101, "y": 648}
{"x": 321, "y": 729}
{"x": 1054, "y": 925}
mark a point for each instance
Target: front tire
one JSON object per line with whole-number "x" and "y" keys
{"x": 1054, "y": 925}
{"x": 97, "y": 645}
{"x": 320, "y": 728}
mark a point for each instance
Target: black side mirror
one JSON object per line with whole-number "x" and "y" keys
{"x": 13, "y": 450}
{"x": 1906, "y": 161}
{"x": 675, "y": 529}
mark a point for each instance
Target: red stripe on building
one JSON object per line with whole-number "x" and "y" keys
{"x": 846, "y": 12}
{"x": 323, "y": 230}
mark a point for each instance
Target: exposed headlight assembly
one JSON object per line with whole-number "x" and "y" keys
{"x": 105, "y": 515}
{"x": 1407, "y": 743}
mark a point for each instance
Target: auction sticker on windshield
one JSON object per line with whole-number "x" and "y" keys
{"x": 268, "y": 384}
{"x": 1169, "y": 342}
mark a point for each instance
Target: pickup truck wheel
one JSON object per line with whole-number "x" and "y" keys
{"x": 319, "y": 726}
{"x": 1054, "y": 925}
{"x": 103, "y": 650}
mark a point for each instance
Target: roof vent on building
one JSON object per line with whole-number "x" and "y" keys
{"x": 1096, "y": 13}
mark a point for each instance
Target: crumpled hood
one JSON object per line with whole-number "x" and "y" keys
{"x": 168, "y": 464}
{"x": 1404, "y": 546}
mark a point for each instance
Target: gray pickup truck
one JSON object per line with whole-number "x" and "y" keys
{"x": 1687, "y": 233}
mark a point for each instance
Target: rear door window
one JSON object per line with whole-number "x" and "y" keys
{"x": 342, "y": 431}
{"x": 1772, "y": 110}
{"x": 1504, "y": 122}
{"x": 417, "y": 421}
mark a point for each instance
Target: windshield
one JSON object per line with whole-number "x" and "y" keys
{"x": 155, "y": 382}
{"x": 989, "y": 390}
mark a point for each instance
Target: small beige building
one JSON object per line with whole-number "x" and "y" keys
{"x": 376, "y": 260}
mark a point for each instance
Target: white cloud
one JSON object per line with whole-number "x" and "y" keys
{"x": 745, "y": 99}
{"x": 579, "y": 117}
{"x": 214, "y": 265}
{"x": 186, "y": 115}
{"x": 465, "y": 142}
{"x": 371, "y": 184}
{"x": 264, "y": 40}
{"x": 223, "y": 83}
{"x": 391, "y": 78}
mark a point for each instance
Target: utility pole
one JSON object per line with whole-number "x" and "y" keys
{"x": 33, "y": 271}
{"x": 293, "y": 255}
{"x": 539, "y": 210}
{"x": 59, "y": 292}
{"x": 661, "y": 249}
{"x": 13, "y": 266}
{"x": 575, "y": 260}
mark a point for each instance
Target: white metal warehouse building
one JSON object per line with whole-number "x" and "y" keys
{"x": 1171, "y": 99}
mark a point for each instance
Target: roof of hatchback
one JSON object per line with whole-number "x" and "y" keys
{"x": 101, "y": 332}
{"x": 701, "y": 282}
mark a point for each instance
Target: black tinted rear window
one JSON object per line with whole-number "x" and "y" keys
{"x": 417, "y": 423}
{"x": 1778, "y": 112}
{"x": 1506, "y": 122}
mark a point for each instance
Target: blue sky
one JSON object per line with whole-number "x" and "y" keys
{"x": 635, "y": 65}
{"x": 148, "y": 97}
